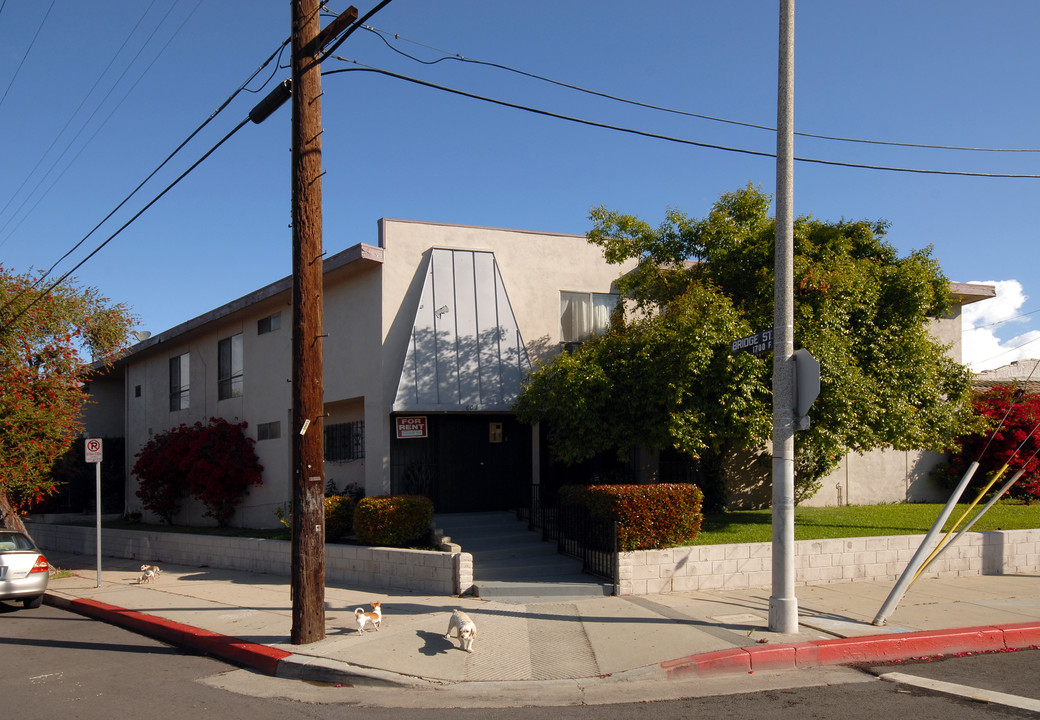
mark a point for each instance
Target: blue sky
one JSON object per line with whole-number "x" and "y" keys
{"x": 96, "y": 95}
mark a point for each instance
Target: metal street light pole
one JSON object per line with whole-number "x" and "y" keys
{"x": 783, "y": 605}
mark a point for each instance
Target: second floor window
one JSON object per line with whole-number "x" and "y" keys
{"x": 583, "y": 315}
{"x": 229, "y": 367}
{"x": 179, "y": 382}
{"x": 268, "y": 324}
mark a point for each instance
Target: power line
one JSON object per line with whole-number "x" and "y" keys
{"x": 72, "y": 116}
{"x": 169, "y": 157}
{"x": 657, "y": 136}
{"x": 27, "y": 51}
{"x": 446, "y": 55}
{"x": 1005, "y": 320}
{"x": 125, "y": 225}
{"x": 103, "y": 122}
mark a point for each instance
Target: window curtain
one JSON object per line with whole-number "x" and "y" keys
{"x": 575, "y": 314}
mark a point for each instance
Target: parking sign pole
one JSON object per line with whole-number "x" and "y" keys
{"x": 97, "y": 487}
{"x": 92, "y": 451}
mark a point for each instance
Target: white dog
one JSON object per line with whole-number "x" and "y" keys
{"x": 465, "y": 630}
{"x": 148, "y": 573}
{"x": 374, "y": 618}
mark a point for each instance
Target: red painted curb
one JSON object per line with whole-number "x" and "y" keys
{"x": 719, "y": 662}
{"x": 901, "y": 646}
{"x": 853, "y": 650}
{"x": 240, "y": 652}
{"x": 1022, "y": 635}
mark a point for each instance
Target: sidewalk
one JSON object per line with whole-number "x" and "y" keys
{"x": 246, "y": 619}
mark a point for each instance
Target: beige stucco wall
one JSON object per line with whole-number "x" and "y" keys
{"x": 535, "y": 268}
{"x": 265, "y": 398}
{"x": 370, "y": 307}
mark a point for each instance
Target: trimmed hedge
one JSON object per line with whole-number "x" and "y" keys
{"x": 339, "y": 517}
{"x": 397, "y": 521}
{"x": 649, "y": 517}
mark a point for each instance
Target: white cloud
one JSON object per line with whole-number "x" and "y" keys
{"x": 981, "y": 348}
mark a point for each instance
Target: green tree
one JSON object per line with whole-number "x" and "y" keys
{"x": 49, "y": 342}
{"x": 861, "y": 309}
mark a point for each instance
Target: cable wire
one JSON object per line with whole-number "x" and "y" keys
{"x": 152, "y": 174}
{"x": 27, "y": 51}
{"x": 72, "y": 116}
{"x": 125, "y": 225}
{"x": 592, "y": 123}
{"x": 461, "y": 58}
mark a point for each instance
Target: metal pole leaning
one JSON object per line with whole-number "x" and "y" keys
{"x": 922, "y": 551}
{"x": 993, "y": 501}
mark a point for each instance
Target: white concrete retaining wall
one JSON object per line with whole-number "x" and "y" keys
{"x": 749, "y": 566}
{"x": 435, "y": 573}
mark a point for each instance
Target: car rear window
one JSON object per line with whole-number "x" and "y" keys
{"x": 14, "y": 541}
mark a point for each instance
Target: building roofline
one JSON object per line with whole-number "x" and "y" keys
{"x": 361, "y": 253}
{"x": 384, "y": 220}
{"x": 968, "y": 293}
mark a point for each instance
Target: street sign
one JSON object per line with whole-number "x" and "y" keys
{"x": 93, "y": 450}
{"x": 806, "y": 386}
{"x": 757, "y": 344}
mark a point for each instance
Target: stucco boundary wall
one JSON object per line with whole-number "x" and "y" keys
{"x": 817, "y": 562}
{"x": 434, "y": 573}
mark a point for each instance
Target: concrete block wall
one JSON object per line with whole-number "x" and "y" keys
{"x": 867, "y": 559}
{"x": 435, "y": 573}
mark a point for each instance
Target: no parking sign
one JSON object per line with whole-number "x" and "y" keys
{"x": 93, "y": 450}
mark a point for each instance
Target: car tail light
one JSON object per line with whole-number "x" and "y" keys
{"x": 40, "y": 566}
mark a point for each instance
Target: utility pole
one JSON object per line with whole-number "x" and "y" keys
{"x": 783, "y": 605}
{"x": 308, "y": 398}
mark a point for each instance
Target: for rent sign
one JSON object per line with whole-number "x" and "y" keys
{"x": 411, "y": 427}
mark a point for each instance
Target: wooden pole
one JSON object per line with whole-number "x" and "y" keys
{"x": 308, "y": 441}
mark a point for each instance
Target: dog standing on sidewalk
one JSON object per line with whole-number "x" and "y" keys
{"x": 375, "y": 617}
{"x": 465, "y": 630}
{"x": 148, "y": 573}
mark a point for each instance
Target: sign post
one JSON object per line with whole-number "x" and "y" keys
{"x": 93, "y": 451}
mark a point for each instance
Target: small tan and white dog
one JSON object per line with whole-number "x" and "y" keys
{"x": 375, "y": 617}
{"x": 465, "y": 629}
{"x": 148, "y": 573}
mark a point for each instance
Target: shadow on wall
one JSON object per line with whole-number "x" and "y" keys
{"x": 749, "y": 475}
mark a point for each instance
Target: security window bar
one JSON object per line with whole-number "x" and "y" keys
{"x": 179, "y": 382}
{"x": 229, "y": 367}
{"x": 268, "y": 431}
{"x": 345, "y": 441}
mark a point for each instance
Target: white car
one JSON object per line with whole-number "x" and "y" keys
{"x": 24, "y": 571}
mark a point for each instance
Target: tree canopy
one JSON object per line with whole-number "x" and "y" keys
{"x": 48, "y": 341}
{"x": 666, "y": 378}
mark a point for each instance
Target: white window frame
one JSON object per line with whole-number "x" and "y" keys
{"x": 584, "y": 314}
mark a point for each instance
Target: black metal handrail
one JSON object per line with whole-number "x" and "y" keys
{"x": 591, "y": 540}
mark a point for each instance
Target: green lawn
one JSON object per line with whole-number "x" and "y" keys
{"x": 745, "y": 526}
{"x": 858, "y": 521}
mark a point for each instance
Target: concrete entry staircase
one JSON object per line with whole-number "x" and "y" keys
{"x": 514, "y": 564}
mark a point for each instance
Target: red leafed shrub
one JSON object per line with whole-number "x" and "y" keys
{"x": 1017, "y": 433}
{"x": 215, "y": 463}
{"x": 648, "y": 516}
{"x": 396, "y": 521}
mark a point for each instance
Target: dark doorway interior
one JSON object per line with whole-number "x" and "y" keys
{"x": 466, "y": 463}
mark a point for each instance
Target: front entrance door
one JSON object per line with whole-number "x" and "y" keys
{"x": 466, "y": 463}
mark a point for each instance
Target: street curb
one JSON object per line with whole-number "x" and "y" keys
{"x": 851, "y": 651}
{"x": 276, "y": 662}
{"x": 259, "y": 657}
